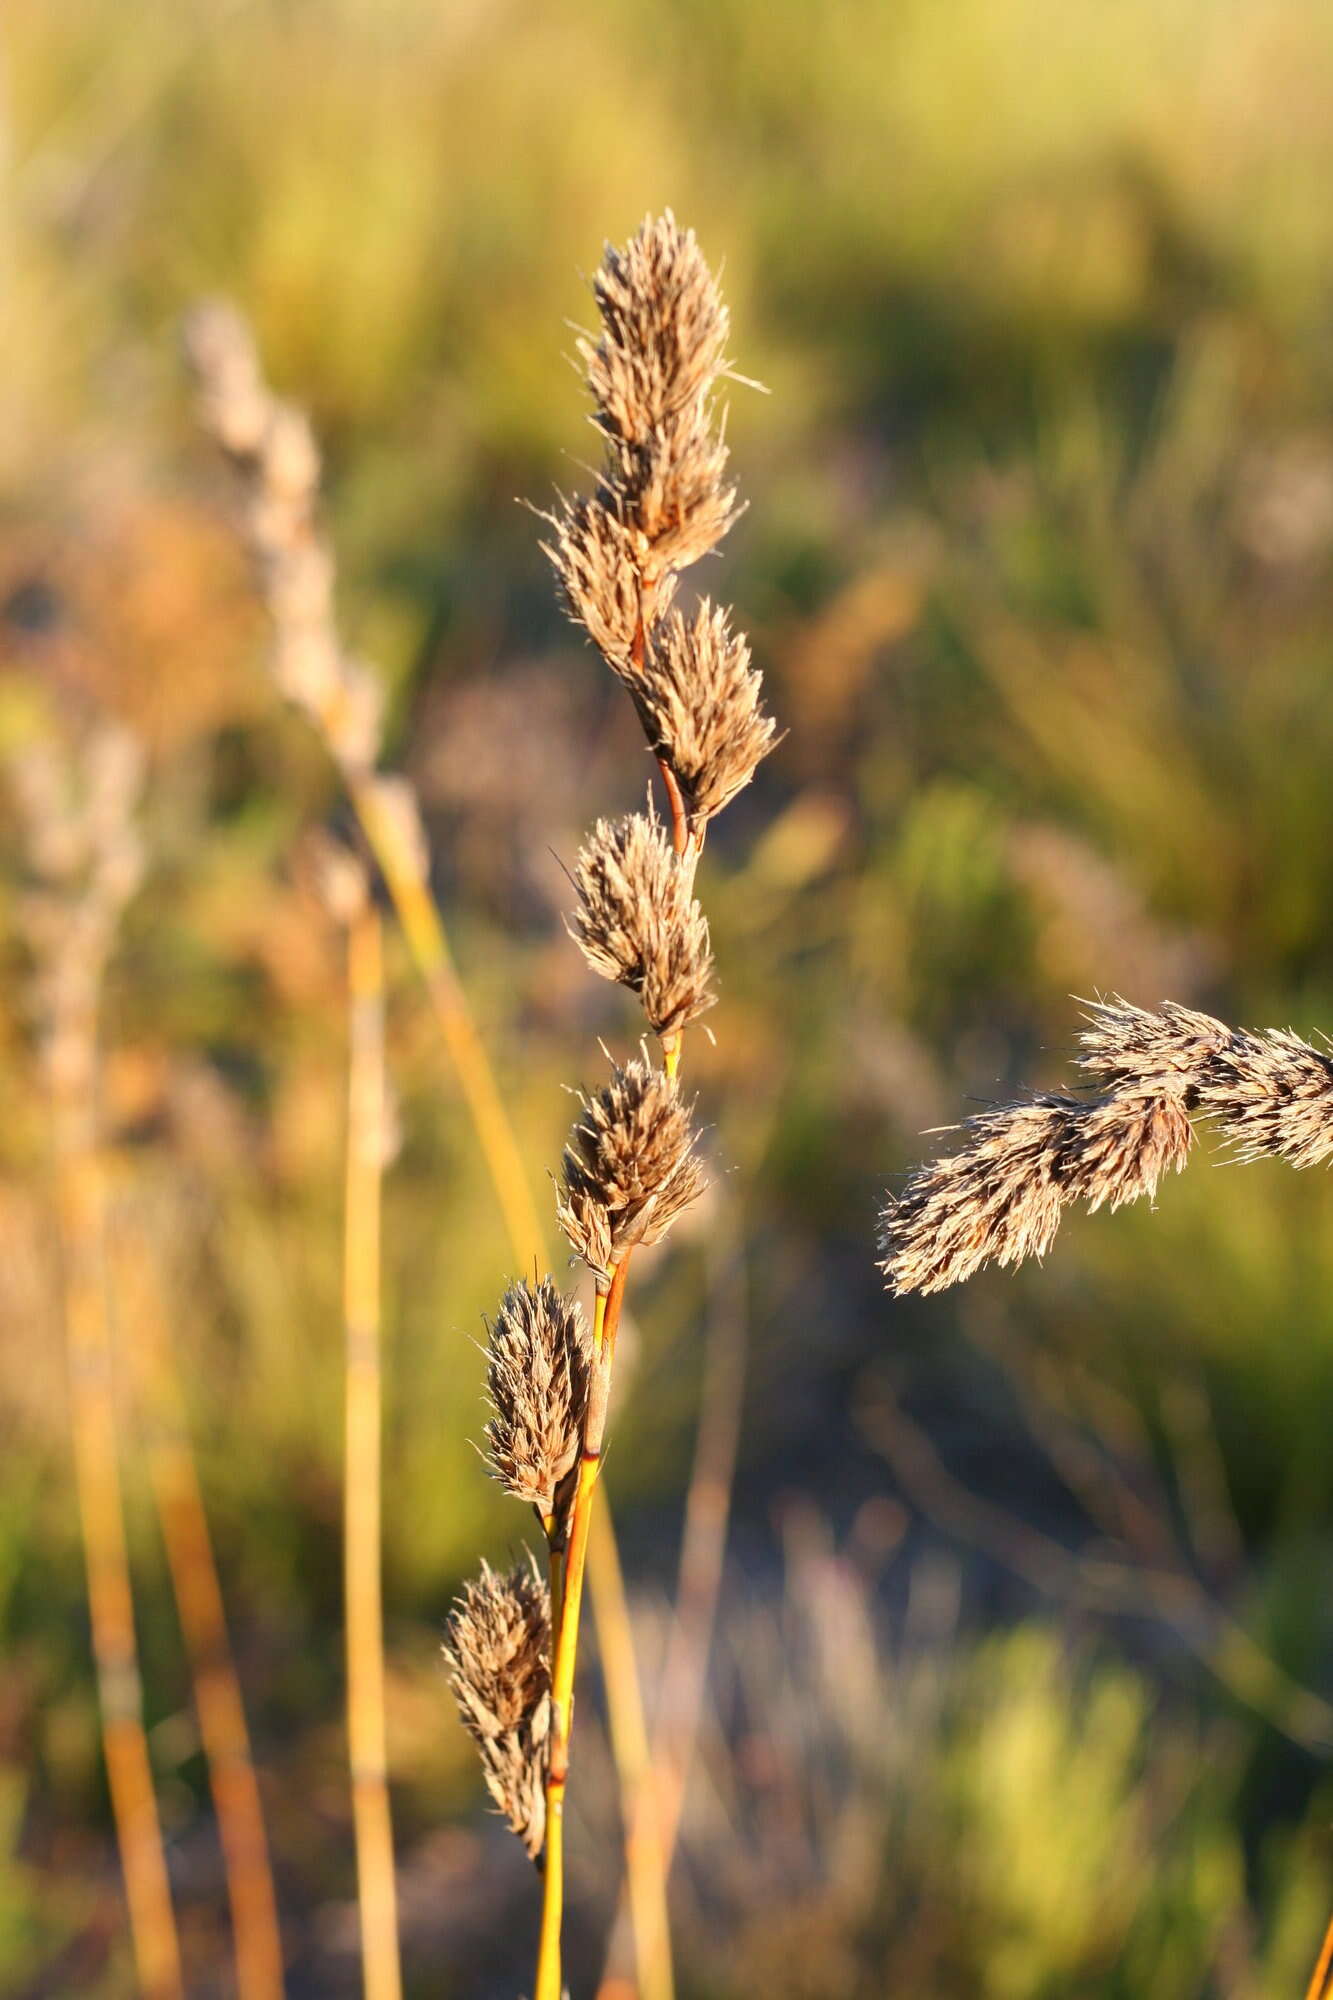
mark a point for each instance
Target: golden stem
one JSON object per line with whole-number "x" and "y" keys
{"x": 80, "y": 1203}
{"x": 429, "y": 947}
{"x": 366, "y": 1735}
{"x": 199, "y": 1605}
{"x": 606, "y": 1319}
{"x": 1322, "y": 1979}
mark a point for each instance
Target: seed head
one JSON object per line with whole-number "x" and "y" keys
{"x": 664, "y": 331}
{"x": 699, "y": 700}
{"x": 999, "y": 1198}
{"x": 1272, "y": 1094}
{"x": 538, "y": 1375}
{"x": 594, "y": 556}
{"x": 637, "y": 922}
{"x": 630, "y": 1163}
{"x": 498, "y": 1653}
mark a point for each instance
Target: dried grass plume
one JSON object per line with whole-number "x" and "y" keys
{"x": 498, "y": 1655}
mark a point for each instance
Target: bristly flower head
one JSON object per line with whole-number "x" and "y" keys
{"x": 664, "y": 331}
{"x": 637, "y": 922}
{"x": 538, "y": 1375}
{"x": 498, "y": 1653}
{"x": 629, "y": 1168}
{"x": 1272, "y": 1094}
{"x": 663, "y": 500}
{"x": 1000, "y": 1197}
{"x": 699, "y": 700}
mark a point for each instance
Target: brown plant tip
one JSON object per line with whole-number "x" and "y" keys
{"x": 1000, "y": 1197}
{"x": 699, "y": 700}
{"x": 630, "y": 1166}
{"x": 498, "y": 1653}
{"x": 540, "y": 1361}
{"x": 637, "y": 923}
{"x": 274, "y": 451}
{"x": 1271, "y": 1094}
{"x": 664, "y": 331}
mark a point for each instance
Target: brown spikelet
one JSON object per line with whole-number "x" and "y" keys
{"x": 594, "y": 556}
{"x": 673, "y": 494}
{"x": 498, "y": 1653}
{"x": 999, "y": 1198}
{"x": 631, "y": 1157}
{"x": 699, "y": 700}
{"x": 540, "y": 1355}
{"x": 637, "y": 922}
{"x": 1272, "y": 1094}
{"x": 664, "y": 331}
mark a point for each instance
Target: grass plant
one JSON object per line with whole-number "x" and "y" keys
{"x": 631, "y": 1165}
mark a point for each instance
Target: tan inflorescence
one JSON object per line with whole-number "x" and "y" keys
{"x": 662, "y": 502}
{"x": 274, "y": 449}
{"x": 1000, "y": 1197}
{"x": 498, "y": 1653}
{"x": 638, "y": 923}
{"x": 630, "y": 1166}
{"x": 540, "y": 1365}
{"x": 698, "y": 698}
{"x": 1271, "y": 1094}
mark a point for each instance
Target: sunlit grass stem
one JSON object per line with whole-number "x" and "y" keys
{"x": 366, "y": 1730}
{"x": 199, "y": 1603}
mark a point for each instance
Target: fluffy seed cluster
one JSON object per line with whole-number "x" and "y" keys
{"x": 637, "y": 922}
{"x": 498, "y": 1655}
{"x": 540, "y": 1362}
{"x": 663, "y": 501}
{"x": 630, "y": 1166}
{"x": 698, "y": 698}
{"x": 1271, "y": 1094}
{"x": 274, "y": 450}
{"x": 1000, "y": 1197}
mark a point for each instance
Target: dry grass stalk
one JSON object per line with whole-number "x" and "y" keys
{"x": 275, "y": 456}
{"x": 1000, "y": 1197}
{"x": 631, "y": 1165}
{"x": 85, "y": 857}
{"x": 346, "y": 891}
{"x": 198, "y": 1593}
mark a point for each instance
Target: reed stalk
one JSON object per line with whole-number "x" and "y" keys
{"x": 631, "y": 1165}
{"x": 86, "y": 861}
{"x": 174, "y": 1478}
{"x": 273, "y": 450}
{"x": 347, "y": 894}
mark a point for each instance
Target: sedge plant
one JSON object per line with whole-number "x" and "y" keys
{"x": 272, "y": 448}
{"x": 632, "y": 1163}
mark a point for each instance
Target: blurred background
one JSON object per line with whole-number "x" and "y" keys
{"x": 1020, "y": 1675}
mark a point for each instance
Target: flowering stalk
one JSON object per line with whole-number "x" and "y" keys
{"x": 1000, "y": 1197}
{"x": 86, "y": 858}
{"x": 345, "y": 888}
{"x": 631, "y": 1165}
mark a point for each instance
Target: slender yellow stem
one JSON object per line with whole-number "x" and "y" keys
{"x": 1322, "y": 1980}
{"x": 429, "y": 946}
{"x": 362, "y": 1581}
{"x": 606, "y": 1318}
{"x": 79, "y": 1196}
{"x": 198, "y": 1592}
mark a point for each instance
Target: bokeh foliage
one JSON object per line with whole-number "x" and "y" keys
{"x": 1038, "y": 564}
